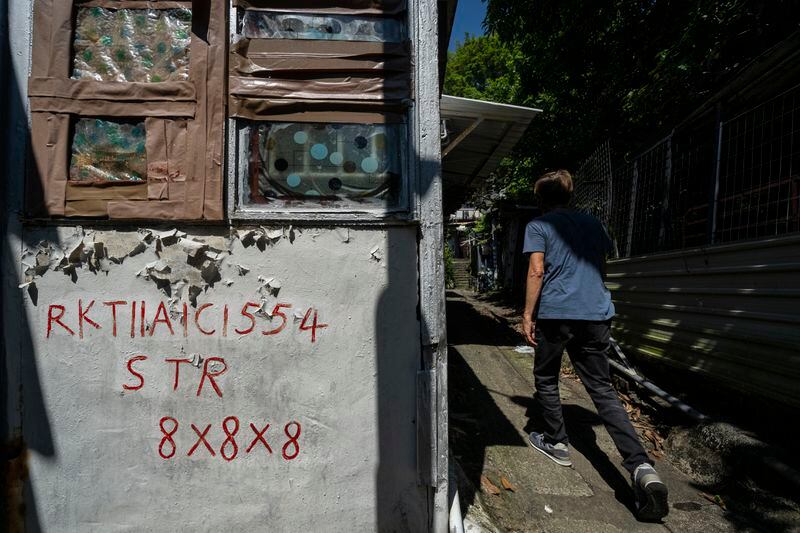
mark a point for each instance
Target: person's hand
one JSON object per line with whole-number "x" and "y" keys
{"x": 528, "y": 330}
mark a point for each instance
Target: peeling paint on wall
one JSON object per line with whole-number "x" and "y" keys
{"x": 140, "y": 336}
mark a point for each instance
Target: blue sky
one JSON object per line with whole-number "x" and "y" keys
{"x": 469, "y": 17}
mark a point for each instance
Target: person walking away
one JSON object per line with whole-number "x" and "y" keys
{"x": 567, "y": 305}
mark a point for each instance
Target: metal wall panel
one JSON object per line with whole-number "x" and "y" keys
{"x": 729, "y": 313}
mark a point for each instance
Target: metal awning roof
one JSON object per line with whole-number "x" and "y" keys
{"x": 477, "y": 135}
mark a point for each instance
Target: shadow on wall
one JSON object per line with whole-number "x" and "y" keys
{"x": 24, "y": 420}
{"x": 405, "y": 477}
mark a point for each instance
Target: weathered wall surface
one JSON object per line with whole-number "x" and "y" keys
{"x": 728, "y": 313}
{"x": 275, "y": 326}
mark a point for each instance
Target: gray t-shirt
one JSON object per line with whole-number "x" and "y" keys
{"x": 575, "y": 246}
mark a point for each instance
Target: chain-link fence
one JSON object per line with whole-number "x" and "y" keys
{"x": 712, "y": 181}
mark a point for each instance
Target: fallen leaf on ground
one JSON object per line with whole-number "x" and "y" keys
{"x": 714, "y": 499}
{"x": 488, "y": 486}
{"x": 507, "y": 484}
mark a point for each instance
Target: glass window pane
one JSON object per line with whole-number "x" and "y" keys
{"x": 106, "y": 150}
{"x": 324, "y": 163}
{"x": 271, "y": 25}
{"x": 131, "y": 45}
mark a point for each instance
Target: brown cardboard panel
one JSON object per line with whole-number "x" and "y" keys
{"x": 110, "y": 108}
{"x": 198, "y": 131}
{"x": 86, "y": 208}
{"x": 163, "y": 210}
{"x": 301, "y": 50}
{"x": 136, "y": 191}
{"x": 60, "y": 41}
{"x": 345, "y": 7}
{"x": 190, "y": 117}
{"x": 176, "y": 149}
{"x": 173, "y": 91}
{"x": 316, "y": 110}
{"x": 42, "y": 34}
{"x": 158, "y": 190}
{"x": 349, "y": 88}
{"x": 50, "y": 143}
{"x": 333, "y": 71}
{"x": 157, "y": 159}
{"x": 215, "y": 126}
{"x": 264, "y": 57}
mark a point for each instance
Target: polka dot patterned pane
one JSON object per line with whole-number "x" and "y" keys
{"x": 323, "y": 162}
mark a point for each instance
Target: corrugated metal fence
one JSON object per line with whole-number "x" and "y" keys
{"x": 706, "y": 226}
{"x": 728, "y": 312}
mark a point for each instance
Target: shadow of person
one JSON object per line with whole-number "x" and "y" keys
{"x": 580, "y": 423}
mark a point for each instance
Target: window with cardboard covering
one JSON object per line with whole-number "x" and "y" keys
{"x": 318, "y": 102}
{"x": 127, "y": 109}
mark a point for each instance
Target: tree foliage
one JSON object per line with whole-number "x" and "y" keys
{"x": 622, "y": 69}
{"x": 483, "y": 68}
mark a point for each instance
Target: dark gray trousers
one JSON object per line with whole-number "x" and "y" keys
{"x": 587, "y": 344}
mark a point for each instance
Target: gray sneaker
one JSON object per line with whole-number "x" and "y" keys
{"x": 651, "y": 493}
{"x": 558, "y": 453}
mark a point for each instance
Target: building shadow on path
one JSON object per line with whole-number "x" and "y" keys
{"x": 476, "y": 422}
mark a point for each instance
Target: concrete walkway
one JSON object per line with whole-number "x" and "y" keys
{"x": 491, "y": 413}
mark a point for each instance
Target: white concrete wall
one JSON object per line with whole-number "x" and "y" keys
{"x": 94, "y": 462}
{"x": 81, "y": 451}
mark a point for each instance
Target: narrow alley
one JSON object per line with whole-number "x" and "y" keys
{"x": 505, "y": 485}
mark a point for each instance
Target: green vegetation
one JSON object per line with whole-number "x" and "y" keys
{"x": 620, "y": 69}
{"x": 483, "y": 68}
{"x": 449, "y": 268}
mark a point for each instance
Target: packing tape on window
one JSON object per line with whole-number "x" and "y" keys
{"x": 344, "y": 7}
{"x": 277, "y": 110}
{"x": 174, "y": 91}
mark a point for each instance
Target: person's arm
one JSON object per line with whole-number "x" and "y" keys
{"x": 533, "y": 288}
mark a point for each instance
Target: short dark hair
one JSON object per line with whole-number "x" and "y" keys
{"x": 554, "y": 188}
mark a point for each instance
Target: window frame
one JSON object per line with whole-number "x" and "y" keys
{"x": 192, "y": 112}
{"x": 345, "y": 212}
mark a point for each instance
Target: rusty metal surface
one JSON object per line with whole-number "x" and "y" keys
{"x": 729, "y": 313}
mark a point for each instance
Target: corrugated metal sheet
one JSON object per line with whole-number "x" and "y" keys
{"x": 730, "y": 313}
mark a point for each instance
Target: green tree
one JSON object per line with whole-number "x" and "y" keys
{"x": 483, "y": 68}
{"x": 622, "y": 69}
